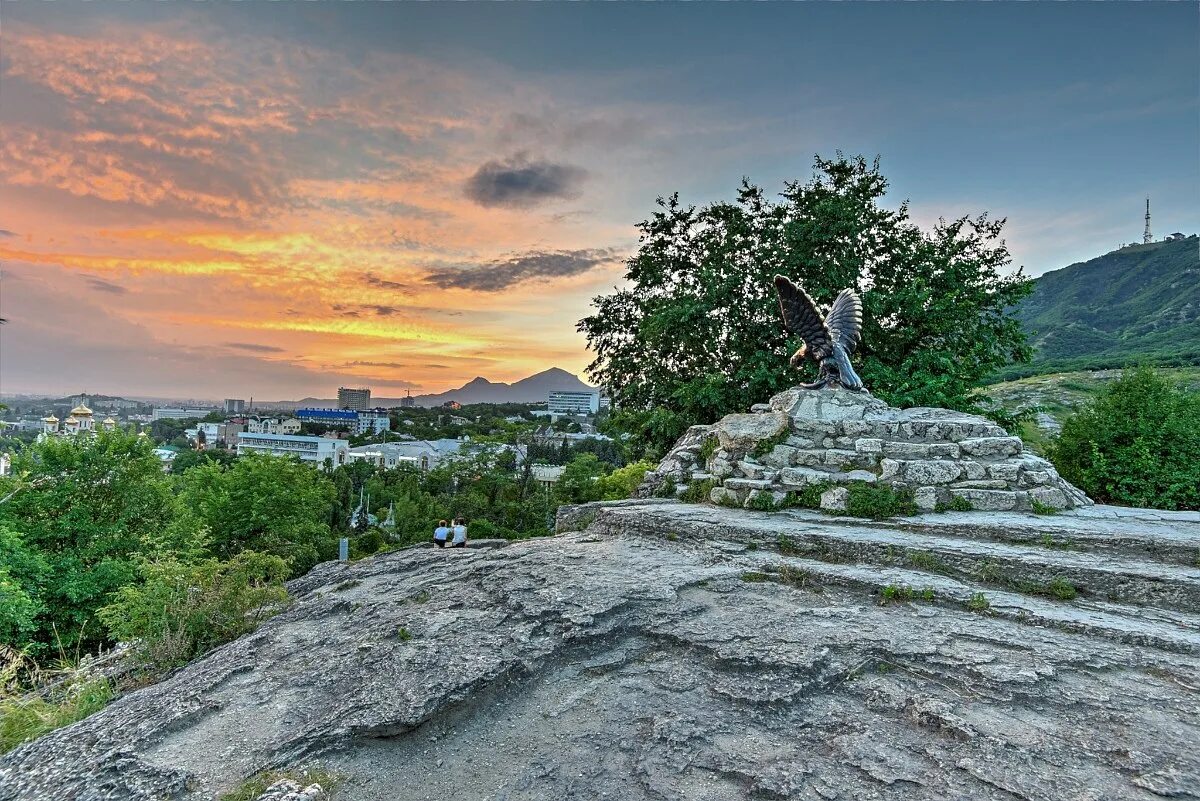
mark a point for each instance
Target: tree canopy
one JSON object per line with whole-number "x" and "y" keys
{"x": 698, "y": 334}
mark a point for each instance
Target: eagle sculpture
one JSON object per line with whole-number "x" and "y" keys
{"x": 828, "y": 341}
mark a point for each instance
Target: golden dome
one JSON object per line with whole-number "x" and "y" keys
{"x": 71, "y": 420}
{"x": 50, "y": 419}
{"x": 81, "y": 411}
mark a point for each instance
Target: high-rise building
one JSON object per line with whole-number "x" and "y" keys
{"x": 234, "y": 406}
{"x": 408, "y": 401}
{"x": 571, "y": 402}
{"x": 357, "y": 399}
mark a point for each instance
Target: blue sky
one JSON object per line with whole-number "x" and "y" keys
{"x": 306, "y": 156}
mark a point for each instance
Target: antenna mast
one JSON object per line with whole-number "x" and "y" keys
{"x": 1146, "y": 238}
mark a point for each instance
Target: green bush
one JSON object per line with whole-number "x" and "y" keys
{"x": 1135, "y": 444}
{"x": 698, "y": 491}
{"x": 181, "y": 610}
{"x": 622, "y": 482}
{"x": 878, "y": 501}
{"x": 24, "y": 719}
{"x": 809, "y": 497}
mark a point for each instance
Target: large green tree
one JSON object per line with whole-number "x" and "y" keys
{"x": 263, "y": 503}
{"x": 79, "y": 512}
{"x": 697, "y": 333}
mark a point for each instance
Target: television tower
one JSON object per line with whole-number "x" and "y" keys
{"x": 1146, "y": 238}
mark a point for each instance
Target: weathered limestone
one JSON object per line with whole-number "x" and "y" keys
{"x": 677, "y": 650}
{"x": 813, "y": 438}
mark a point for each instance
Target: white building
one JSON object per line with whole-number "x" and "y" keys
{"x": 419, "y": 453}
{"x": 271, "y": 425}
{"x": 573, "y": 402}
{"x": 314, "y": 450}
{"x": 169, "y": 413}
{"x": 234, "y": 406}
{"x": 373, "y": 421}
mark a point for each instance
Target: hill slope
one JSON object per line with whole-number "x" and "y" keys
{"x": 1139, "y": 304}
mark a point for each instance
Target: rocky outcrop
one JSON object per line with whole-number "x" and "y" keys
{"x": 673, "y": 650}
{"x": 819, "y": 438}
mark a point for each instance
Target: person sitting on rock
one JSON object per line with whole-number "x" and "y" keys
{"x": 460, "y": 533}
{"x": 441, "y": 534}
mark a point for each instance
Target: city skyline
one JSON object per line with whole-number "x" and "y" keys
{"x": 234, "y": 200}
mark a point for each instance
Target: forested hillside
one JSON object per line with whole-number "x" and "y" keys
{"x": 1139, "y": 304}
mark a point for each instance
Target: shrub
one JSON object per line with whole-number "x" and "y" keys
{"x": 667, "y": 488}
{"x": 181, "y": 610}
{"x": 1040, "y": 508}
{"x": 810, "y": 496}
{"x": 957, "y": 504}
{"x": 698, "y": 491}
{"x": 623, "y": 482}
{"x": 24, "y": 719}
{"x": 1134, "y": 444}
{"x": 1061, "y": 588}
{"x": 978, "y": 603}
{"x": 878, "y": 501}
{"x": 763, "y": 502}
{"x": 708, "y": 448}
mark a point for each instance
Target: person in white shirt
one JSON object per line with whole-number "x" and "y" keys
{"x": 441, "y": 534}
{"x": 460, "y": 533}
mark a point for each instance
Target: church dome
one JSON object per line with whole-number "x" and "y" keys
{"x": 50, "y": 419}
{"x": 81, "y": 411}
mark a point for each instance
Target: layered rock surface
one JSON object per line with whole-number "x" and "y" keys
{"x": 805, "y": 438}
{"x": 667, "y": 650}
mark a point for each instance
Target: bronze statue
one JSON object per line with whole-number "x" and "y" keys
{"x": 828, "y": 341}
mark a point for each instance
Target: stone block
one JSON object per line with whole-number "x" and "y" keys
{"x": 856, "y": 428}
{"x": 931, "y": 472}
{"x": 926, "y": 498}
{"x": 842, "y": 459}
{"x": 835, "y": 499}
{"x": 722, "y": 496}
{"x": 1004, "y": 471}
{"x": 855, "y": 475}
{"x": 746, "y": 484}
{"x": 944, "y": 450}
{"x": 890, "y": 468}
{"x": 991, "y": 447}
{"x": 739, "y": 433}
{"x": 987, "y": 484}
{"x": 809, "y": 457}
{"x": 800, "y": 441}
{"x": 989, "y": 500}
{"x": 720, "y": 466}
{"x": 781, "y": 456}
{"x": 973, "y": 471}
{"x": 868, "y": 445}
{"x": 752, "y": 469}
{"x": 1034, "y": 478}
{"x": 1049, "y": 496}
{"x": 700, "y": 475}
{"x": 800, "y": 477}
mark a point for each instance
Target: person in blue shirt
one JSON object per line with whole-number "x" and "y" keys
{"x": 441, "y": 534}
{"x": 460, "y": 533}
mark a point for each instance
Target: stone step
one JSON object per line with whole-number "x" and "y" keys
{"x": 1023, "y": 569}
{"x": 1173, "y": 631}
{"x": 1156, "y": 536}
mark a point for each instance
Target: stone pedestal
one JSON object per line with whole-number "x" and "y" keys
{"x": 827, "y": 438}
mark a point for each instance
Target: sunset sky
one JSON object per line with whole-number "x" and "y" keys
{"x": 269, "y": 200}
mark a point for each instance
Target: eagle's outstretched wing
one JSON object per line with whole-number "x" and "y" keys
{"x": 801, "y": 317}
{"x": 845, "y": 320}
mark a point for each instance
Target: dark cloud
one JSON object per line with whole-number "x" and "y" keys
{"x": 391, "y": 365}
{"x": 4, "y": 233}
{"x": 370, "y": 279}
{"x": 100, "y": 285}
{"x": 503, "y": 273}
{"x": 518, "y": 182}
{"x": 254, "y": 347}
{"x": 356, "y": 309}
